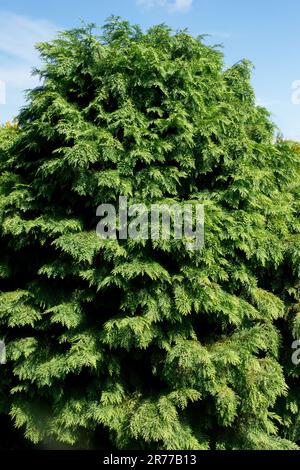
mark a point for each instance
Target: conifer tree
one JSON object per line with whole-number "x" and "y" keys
{"x": 285, "y": 283}
{"x": 143, "y": 344}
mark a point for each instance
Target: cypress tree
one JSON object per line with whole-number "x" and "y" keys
{"x": 285, "y": 283}
{"x": 143, "y": 344}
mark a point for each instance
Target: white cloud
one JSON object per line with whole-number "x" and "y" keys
{"x": 18, "y": 36}
{"x": 171, "y": 6}
{"x": 180, "y": 5}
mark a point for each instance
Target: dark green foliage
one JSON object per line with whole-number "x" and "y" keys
{"x": 144, "y": 344}
{"x": 286, "y": 282}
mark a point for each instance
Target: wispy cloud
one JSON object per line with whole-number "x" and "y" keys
{"x": 170, "y": 6}
{"x": 18, "y": 35}
{"x": 180, "y": 5}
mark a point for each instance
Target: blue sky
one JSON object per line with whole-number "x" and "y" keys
{"x": 265, "y": 31}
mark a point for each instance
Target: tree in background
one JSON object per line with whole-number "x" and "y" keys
{"x": 143, "y": 344}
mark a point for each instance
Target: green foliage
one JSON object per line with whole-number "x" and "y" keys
{"x": 144, "y": 343}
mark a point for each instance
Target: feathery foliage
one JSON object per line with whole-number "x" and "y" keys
{"x": 144, "y": 344}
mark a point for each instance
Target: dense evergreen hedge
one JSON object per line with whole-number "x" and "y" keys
{"x": 144, "y": 344}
